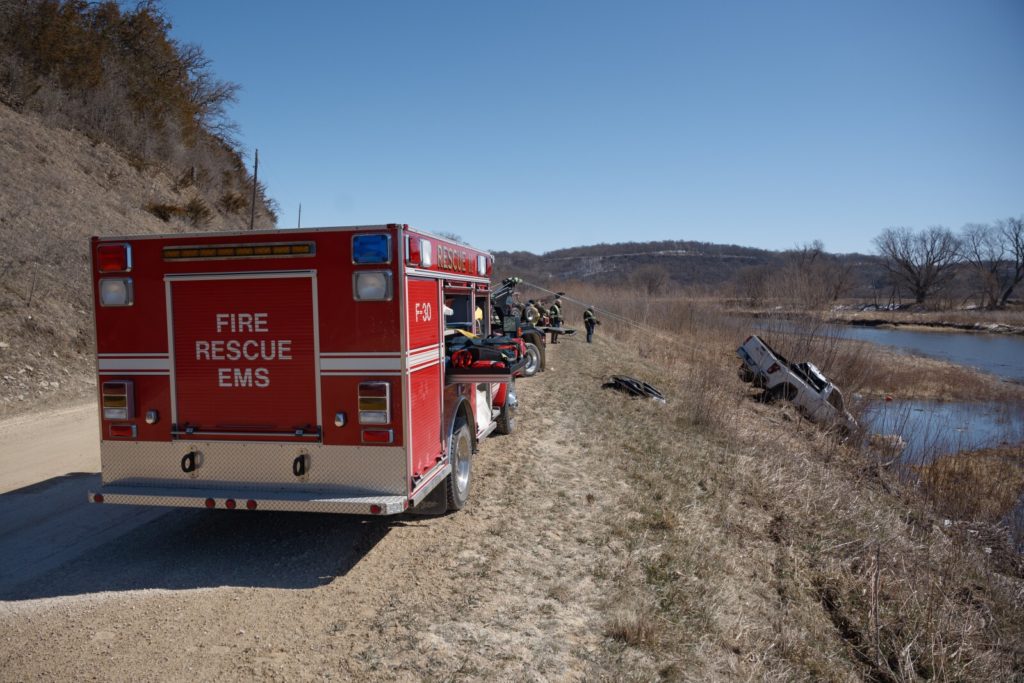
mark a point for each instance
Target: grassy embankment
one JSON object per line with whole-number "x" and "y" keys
{"x": 1009, "y": 320}
{"x": 762, "y": 547}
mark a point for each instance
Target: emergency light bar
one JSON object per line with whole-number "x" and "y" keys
{"x": 418, "y": 252}
{"x": 114, "y": 258}
{"x": 374, "y": 403}
{"x": 371, "y": 249}
{"x": 235, "y": 251}
{"x": 118, "y": 400}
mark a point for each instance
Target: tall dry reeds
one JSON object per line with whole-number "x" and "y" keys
{"x": 753, "y": 543}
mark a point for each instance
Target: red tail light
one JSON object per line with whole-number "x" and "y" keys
{"x": 251, "y": 504}
{"x": 378, "y": 436}
{"x": 211, "y": 503}
{"x": 375, "y": 509}
{"x": 774, "y": 368}
{"x": 98, "y": 498}
{"x": 122, "y": 431}
{"x": 114, "y": 258}
{"x": 229, "y": 503}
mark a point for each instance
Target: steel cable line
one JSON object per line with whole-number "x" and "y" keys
{"x": 646, "y": 328}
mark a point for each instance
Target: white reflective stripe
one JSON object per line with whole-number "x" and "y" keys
{"x": 358, "y": 373}
{"x": 421, "y": 358}
{"x": 425, "y": 365}
{"x": 367, "y": 364}
{"x": 365, "y": 354}
{"x": 134, "y": 363}
{"x": 165, "y": 373}
{"x": 423, "y": 349}
{"x": 132, "y": 355}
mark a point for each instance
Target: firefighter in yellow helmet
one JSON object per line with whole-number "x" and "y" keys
{"x": 555, "y": 314}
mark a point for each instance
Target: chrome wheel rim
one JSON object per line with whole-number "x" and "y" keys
{"x": 461, "y": 457}
{"x": 532, "y": 361}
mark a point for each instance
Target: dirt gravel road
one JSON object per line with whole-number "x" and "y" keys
{"x": 509, "y": 588}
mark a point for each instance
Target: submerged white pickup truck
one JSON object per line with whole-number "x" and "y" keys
{"x": 802, "y": 384}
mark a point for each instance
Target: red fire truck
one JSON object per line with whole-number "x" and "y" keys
{"x": 298, "y": 370}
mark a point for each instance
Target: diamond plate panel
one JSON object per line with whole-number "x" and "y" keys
{"x": 266, "y": 500}
{"x": 373, "y": 470}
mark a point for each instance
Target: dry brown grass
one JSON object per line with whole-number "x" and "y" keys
{"x": 759, "y": 547}
{"x": 858, "y": 368}
{"x": 982, "y": 486}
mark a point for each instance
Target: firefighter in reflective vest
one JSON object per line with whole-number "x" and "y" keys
{"x": 590, "y": 321}
{"x": 555, "y": 313}
{"x": 542, "y": 312}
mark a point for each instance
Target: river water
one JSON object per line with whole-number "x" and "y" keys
{"x": 935, "y": 428}
{"x": 932, "y": 427}
{"x": 1001, "y": 355}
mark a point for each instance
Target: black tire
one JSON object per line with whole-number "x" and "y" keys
{"x": 507, "y": 416}
{"x": 779, "y": 392}
{"x": 460, "y": 450}
{"x": 533, "y": 360}
{"x": 746, "y": 374}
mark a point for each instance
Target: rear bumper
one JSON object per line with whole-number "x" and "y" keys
{"x": 291, "y": 501}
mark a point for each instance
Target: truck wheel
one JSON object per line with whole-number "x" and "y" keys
{"x": 507, "y": 417}
{"x": 745, "y": 373}
{"x": 781, "y": 391}
{"x": 460, "y": 450}
{"x": 532, "y": 366}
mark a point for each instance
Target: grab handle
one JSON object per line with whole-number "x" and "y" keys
{"x": 189, "y": 463}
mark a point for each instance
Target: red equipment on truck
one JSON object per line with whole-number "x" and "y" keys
{"x": 298, "y": 370}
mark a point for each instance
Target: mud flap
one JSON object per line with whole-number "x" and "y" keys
{"x": 434, "y": 503}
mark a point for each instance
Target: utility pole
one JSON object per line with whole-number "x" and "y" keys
{"x": 300, "y": 216}
{"x": 255, "y": 176}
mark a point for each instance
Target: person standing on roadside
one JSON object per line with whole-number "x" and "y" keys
{"x": 542, "y": 312}
{"x": 590, "y": 321}
{"x": 555, "y": 313}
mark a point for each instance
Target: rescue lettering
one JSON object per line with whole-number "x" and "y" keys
{"x": 449, "y": 259}
{"x": 249, "y": 350}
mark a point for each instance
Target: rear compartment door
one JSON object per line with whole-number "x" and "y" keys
{"x": 425, "y": 405}
{"x": 245, "y": 355}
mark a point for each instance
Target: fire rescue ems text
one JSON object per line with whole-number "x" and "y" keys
{"x": 251, "y": 350}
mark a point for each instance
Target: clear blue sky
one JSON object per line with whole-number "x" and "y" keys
{"x": 541, "y": 125}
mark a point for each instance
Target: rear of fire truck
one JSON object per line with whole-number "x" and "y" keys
{"x": 290, "y": 370}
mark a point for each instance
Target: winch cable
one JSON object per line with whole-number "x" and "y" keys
{"x": 621, "y": 318}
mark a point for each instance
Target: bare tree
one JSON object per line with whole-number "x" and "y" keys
{"x": 996, "y": 256}
{"x": 923, "y": 261}
{"x": 984, "y": 251}
{"x": 652, "y": 279}
{"x": 752, "y": 282}
{"x": 814, "y": 278}
{"x": 1011, "y": 231}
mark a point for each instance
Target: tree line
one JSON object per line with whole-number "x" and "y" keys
{"x": 117, "y": 76}
{"x": 925, "y": 262}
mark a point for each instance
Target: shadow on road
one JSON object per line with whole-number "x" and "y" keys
{"x": 54, "y": 543}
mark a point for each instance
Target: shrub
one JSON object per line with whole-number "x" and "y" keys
{"x": 165, "y": 212}
{"x": 198, "y": 213}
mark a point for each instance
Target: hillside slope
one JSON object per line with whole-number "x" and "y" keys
{"x": 720, "y": 268}
{"x": 58, "y": 187}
